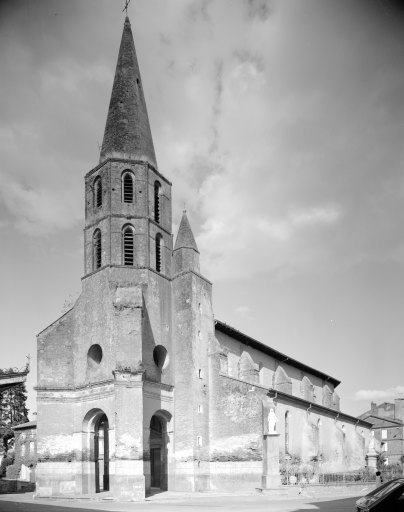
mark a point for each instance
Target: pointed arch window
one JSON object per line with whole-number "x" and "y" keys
{"x": 287, "y": 428}
{"x": 127, "y": 187}
{"x": 97, "y": 254}
{"x": 159, "y": 244}
{"x": 98, "y": 192}
{"x": 157, "y": 192}
{"x": 128, "y": 245}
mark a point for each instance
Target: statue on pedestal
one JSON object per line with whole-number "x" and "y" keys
{"x": 272, "y": 421}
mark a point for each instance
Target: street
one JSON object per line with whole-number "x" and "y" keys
{"x": 234, "y": 503}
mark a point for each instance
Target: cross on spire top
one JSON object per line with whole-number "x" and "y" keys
{"x": 126, "y": 7}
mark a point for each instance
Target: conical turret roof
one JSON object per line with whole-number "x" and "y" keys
{"x": 185, "y": 237}
{"x": 127, "y": 130}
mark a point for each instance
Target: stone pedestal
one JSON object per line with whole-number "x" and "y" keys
{"x": 271, "y": 477}
{"x": 371, "y": 459}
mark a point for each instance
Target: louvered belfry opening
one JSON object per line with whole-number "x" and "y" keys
{"x": 98, "y": 192}
{"x": 157, "y": 188}
{"x": 128, "y": 246}
{"x": 158, "y": 252}
{"x": 97, "y": 249}
{"x": 128, "y": 187}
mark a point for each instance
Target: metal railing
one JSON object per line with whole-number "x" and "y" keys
{"x": 307, "y": 474}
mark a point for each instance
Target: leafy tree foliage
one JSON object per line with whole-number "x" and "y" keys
{"x": 13, "y": 411}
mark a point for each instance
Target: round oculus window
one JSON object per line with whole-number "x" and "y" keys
{"x": 160, "y": 356}
{"x": 94, "y": 355}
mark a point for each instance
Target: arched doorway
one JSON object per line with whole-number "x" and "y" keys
{"x": 101, "y": 454}
{"x": 95, "y": 476}
{"x": 158, "y": 453}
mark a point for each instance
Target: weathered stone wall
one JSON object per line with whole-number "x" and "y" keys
{"x": 273, "y": 372}
{"x": 236, "y": 434}
{"x": 339, "y": 445}
{"x": 55, "y": 365}
{"x": 192, "y": 335}
{"x": 127, "y": 321}
{"x": 236, "y": 431}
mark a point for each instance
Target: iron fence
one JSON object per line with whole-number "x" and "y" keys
{"x": 313, "y": 474}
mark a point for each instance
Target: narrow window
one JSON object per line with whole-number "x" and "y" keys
{"x": 128, "y": 245}
{"x": 287, "y": 417}
{"x": 384, "y": 433}
{"x": 157, "y": 191}
{"x": 97, "y": 249}
{"x": 127, "y": 187}
{"x": 98, "y": 192}
{"x": 158, "y": 252}
{"x": 199, "y": 440}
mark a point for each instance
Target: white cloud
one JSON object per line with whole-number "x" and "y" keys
{"x": 39, "y": 211}
{"x": 379, "y": 394}
{"x": 313, "y": 216}
{"x": 244, "y": 312}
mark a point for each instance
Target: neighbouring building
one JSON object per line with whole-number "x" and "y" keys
{"x": 387, "y": 420}
{"x": 23, "y": 467}
{"x": 138, "y": 385}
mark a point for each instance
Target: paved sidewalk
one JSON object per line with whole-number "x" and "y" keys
{"x": 174, "y": 501}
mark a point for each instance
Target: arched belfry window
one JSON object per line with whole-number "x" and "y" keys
{"x": 128, "y": 245}
{"x": 159, "y": 245}
{"x": 98, "y": 192}
{"x": 97, "y": 260}
{"x": 157, "y": 192}
{"x": 287, "y": 428}
{"x": 127, "y": 187}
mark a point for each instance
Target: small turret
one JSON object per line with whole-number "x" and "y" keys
{"x": 186, "y": 254}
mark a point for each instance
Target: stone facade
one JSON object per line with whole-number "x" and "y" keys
{"x": 138, "y": 386}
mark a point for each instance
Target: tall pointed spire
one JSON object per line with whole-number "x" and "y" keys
{"x": 127, "y": 130}
{"x": 186, "y": 254}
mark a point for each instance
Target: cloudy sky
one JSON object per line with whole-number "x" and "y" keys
{"x": 280, "y": 124}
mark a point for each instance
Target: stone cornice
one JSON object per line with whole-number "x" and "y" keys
{"x": 135, "y": 378}
{"x": 128, "y": 161}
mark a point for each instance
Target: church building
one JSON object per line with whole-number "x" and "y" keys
{"x": 139, "y": 387}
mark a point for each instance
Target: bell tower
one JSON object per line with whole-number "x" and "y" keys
{"x": 108, "y": 356}
{"x": 127, "y": 201}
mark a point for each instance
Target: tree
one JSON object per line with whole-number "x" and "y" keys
{"x": 13, "y": 411}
